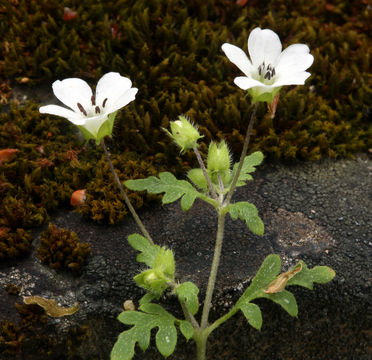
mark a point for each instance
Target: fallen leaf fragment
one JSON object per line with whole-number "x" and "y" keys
{"x": 278, "y": 284}
{"x": 69, "y": 14}
{"x": 50, "y": 306}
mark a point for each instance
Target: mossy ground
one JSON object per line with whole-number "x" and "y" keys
{"x": 172, "y": 52}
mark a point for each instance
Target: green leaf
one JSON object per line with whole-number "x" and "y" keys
{"x": 253, "y": 314}
{"x": 151, "y": 316}
{"x": 188, "y": 292}
{"x": 148, "y": 251}
{"x": 164, "y": 261}
{"x": 186, "y": 329}
{"x": 147, "y": 298}
{"x": 249, "y": 164}
{"x": 285, "y": 299}
{"x": 306, "y": 277}
{"x": 269, "y": 269}
{"x": 247, "y": 212}
{"x": 168, "y": 184}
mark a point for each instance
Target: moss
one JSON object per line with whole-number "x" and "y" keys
{"x": 14, "y": 244}
{"x": 61, "y": 249}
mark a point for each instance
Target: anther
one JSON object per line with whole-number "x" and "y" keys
{"x": 97, "y": 109}
{"x": 82, "y": 109}
{"x": 267, "y": 75}
{"x": 93, "y": 99}
{"x": 104, "y": 103}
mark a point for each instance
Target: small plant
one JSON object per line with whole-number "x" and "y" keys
{"x": 268, "y": 69}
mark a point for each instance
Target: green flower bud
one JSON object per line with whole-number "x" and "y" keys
{"x": 198, "y": 178}
{"x": 218, "y": 160}
{"x": 152, "y": 280}
{"x": 184, "y": 133}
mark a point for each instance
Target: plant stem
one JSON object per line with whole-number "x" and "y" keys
{"x": 243, "y": 154}
{"x": 205, "y": 173}
{"x": 214, "y": 269}
{"x": 125, "y": 196}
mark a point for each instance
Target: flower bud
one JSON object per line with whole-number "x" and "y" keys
{"x": 184, "y": 133}
{"x": 218, "y": 160}
{"x": 198, "y": 178}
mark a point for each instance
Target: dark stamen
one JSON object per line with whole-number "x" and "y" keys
{"x": 104, "y": 103}
{"x": 267, "y": 75}
{"x": 82, "y": 109}
{"x": 93, "y": 99}
{"x": 97, "y": 110}
{"x": 259, "y": 70}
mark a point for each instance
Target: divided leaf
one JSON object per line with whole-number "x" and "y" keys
{"x": 306, "y": 278}
{"x": 186, "y": 329}
{"x": 249, "y": 164}
{"x": 151, "y": 316}
{"x": 188, "y": 292}
{"x": 168, "y": 184}
{"x": 247, "y": 212}
{"x": 253, "y": 314}
{"x": 148, "y": 251}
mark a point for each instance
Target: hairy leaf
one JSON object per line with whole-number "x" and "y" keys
{"x": 253, "y": 314}
{"x": 168, "y": 184}
{"x": 148, "y": 251}
{"x": 306, "y": 278}
{"x": 186, "y": 329}
{"x": 247, "y": 212}
{"x": 151, "y": 316}
{"x": 249, "y": 164}
{"x": 188, "y": 292}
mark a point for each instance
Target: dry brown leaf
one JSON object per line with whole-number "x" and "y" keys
{"x": 280, "y": 282}
{"x": 50, "y": 306}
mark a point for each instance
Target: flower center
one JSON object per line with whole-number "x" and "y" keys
{"x": 95, "y": 108}
{"x": 266, "y": 72}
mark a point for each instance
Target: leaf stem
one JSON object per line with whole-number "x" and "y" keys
{"x": 205, "y": 173}
{"x": 125, "y": 196}
{"x": 243, "y": 154}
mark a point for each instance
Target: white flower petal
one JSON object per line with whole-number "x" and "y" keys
{"x": 73, "y": 91}
{"x": 246, "y": 83}
{"x": 61, "y": 111}
{"x": 124, "y": 99}
{"x": 238, "y": 57}
{"x": 264, "y": 45}
{"x": 111, "y": 86}
{"x": 292, "y": 79}
{"x": 293, "y": 59}
{"x": 94, "y": 123}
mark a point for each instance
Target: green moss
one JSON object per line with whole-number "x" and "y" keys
{"x": 61, "y": 249}
{"x": 14, "y": 244}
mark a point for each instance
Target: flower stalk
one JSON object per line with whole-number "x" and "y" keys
{"x": 125, "y": 196}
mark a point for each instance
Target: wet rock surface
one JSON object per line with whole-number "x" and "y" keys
{"x": 317, "y": 212}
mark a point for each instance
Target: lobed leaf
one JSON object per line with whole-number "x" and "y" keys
{"x": 247, "y": 212}
{"x": 187, "y": 329}
{"x": 253, "y": 314}
{"x": 188, "y": 292}
{"x": 168, "y": 184}
{"x": 148, "y": 251}
{"x": 151, "y": 316}
{"x": 249, "y": 164}
{"x": 307, "y": 277}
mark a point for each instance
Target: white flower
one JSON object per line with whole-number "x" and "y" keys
{"x": 92, "y": 113}
{"x": 269, "y": 67}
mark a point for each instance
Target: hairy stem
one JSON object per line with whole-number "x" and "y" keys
{"x": 125, "y": 196}
{"x": 243, "y": 154}
{"x": 202, "y": 166}
{"x": 213, "y": 274}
